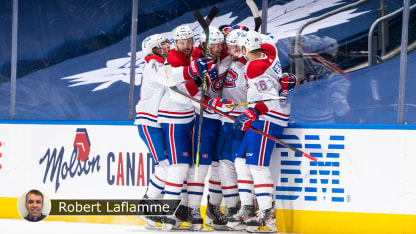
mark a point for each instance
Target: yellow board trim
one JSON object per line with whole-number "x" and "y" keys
{"x": 305, "y": 221}
{"x": 288, "y": 221}
{"x": 8, "y": 208}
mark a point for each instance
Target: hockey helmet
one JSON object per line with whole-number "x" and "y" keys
{"x": 233, "y": 37}
{"x": 250, "y": 40}
{"x": 151, "y": 42}
{"x": 183, "y": 32}
{"x": 215, "y": 36}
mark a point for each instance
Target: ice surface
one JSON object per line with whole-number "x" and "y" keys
{"x": 11, "y": 226}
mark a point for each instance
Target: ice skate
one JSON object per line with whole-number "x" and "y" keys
{"x": 215, "y": 218}
{"x": 264, "y": 222}
{"x": 237, "y": 221}
{"x": 194, "y": 219}
{"x": 151, "y": 221}
{"x": 231, "y": 211}
{"x": 181, "y": 216}
{"x": 168, "y": 222}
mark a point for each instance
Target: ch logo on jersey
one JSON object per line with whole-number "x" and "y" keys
{"x": 230, "y": 79}
{"x": 216, "y": 85}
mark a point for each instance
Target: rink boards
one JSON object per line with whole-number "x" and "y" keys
{"x": 364, "y": 180}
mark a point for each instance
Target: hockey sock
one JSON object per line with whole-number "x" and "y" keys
{"x": 214, "y": 190}
{"x": 157, "y": 180}
{"x": 263, "y": 186}
{"x": 196, "y": 185}
{"x": 174, "y": 182}
{"x": 229, "y": 183}
{"x": 244, "y": 182}
{"x": 184, "y": 194}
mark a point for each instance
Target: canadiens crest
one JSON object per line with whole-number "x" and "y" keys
{"x": 217, "y": 84}
{"x": 230, "y": 79}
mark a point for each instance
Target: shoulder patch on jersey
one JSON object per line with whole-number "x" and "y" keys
{"x": 154, "y": 57}
{"x": 196, "y": 53}
{"x": 242, "y": 59}
{"x": 269, "y": 50}
{"x": 177, "y": 59}
{"x": 257, "y": 67}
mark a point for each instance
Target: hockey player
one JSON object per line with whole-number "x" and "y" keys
{"x": 210, "y": 127}
{"x": 264, "y": 81}
{"x": 152, "y": 88}
{"x": 176, "y": 115}
{"x": 229, "y": 140}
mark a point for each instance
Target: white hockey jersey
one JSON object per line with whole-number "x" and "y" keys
{"x": 235, "y": 87}
{"x": 153, "y": 87}
{"x": 174, "y": 107}
{"x": 214, "y": 86}
{"x": 262, "y": 76}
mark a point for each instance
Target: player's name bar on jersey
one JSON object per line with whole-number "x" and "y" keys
{"x": 113, "y": 207}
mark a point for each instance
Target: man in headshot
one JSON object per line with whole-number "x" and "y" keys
{"x": 34, "y": 205}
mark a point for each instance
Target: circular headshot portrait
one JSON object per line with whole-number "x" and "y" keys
{"x": 34, "y": 205}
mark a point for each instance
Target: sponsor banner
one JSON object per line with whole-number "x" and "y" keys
{"x": 358, "y": 170}
{"x": 76, "y": 162}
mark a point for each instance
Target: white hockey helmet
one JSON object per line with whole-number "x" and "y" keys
{"x": 233, "y": 37}
{"x": 151, "y": 42}
{"x": 250, "y": 40}
{"x": 215, "y": 36}
{"x": 183, "y": 32}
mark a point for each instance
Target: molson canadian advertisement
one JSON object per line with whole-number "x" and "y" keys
{"x": 362, "y": 176}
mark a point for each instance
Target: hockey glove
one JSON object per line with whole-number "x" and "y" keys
{"x": 199, "y": 67}
{"x": 213, "y": 73}
{"x": 198, "y": 81}
{"x": 221, "y": 104}
{"x": 245, "y": 119}
{"x": 288, "y": 83}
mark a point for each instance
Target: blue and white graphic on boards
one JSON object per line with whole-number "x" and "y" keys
{"x": 310, "y": 181}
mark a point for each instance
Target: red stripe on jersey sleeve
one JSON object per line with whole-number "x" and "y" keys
{"x": 261, "y": 108}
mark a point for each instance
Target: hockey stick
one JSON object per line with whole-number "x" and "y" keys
{"x": 173, "y": 87}
{"x": 254, "y": 102}
{"x": 205, "y": 26}
{"x": 256, "y": 14}
{"x": 211, "y": 15}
